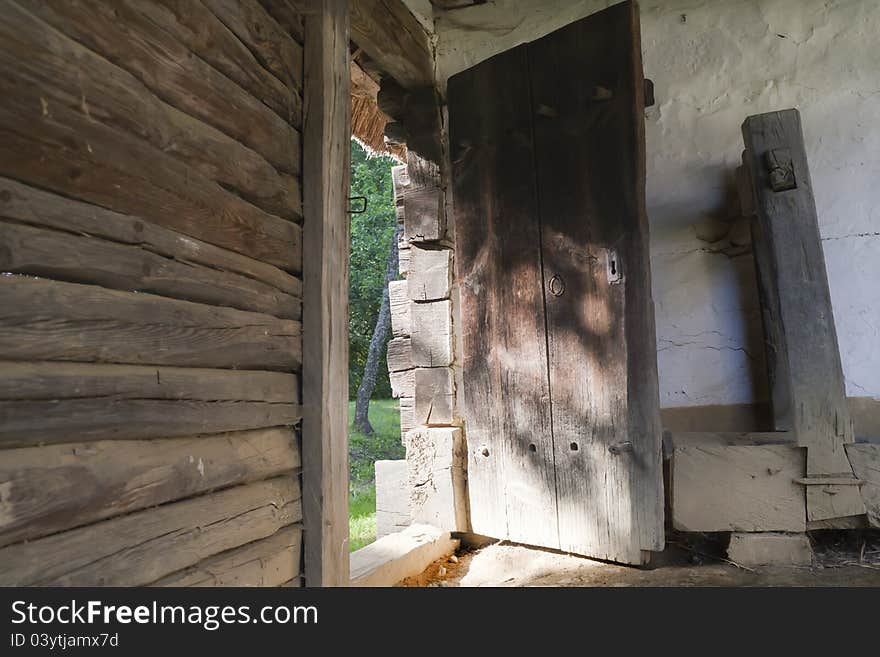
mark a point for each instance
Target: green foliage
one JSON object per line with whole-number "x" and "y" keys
{"x": 371, "y": 234}
{"x": 364, "y": 451}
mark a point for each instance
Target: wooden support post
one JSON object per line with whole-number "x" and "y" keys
{"x": 326, "y": 239}
{"x": 805, "y": 358}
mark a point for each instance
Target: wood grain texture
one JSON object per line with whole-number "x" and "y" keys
{"x": 431, "y": 334}
{"x": 327, "y": 134}
{"x": 723, "y": 487}
{"x": 39, "y": 208}
{"x": 271, "y": 44}
{"x": 388, "y": 32}
{"x": 399, "y": 355}
{"x": 596, "y": 270}
{"x": 290, "y": 14}
{"x": 207, "y": 36}
{"x": 401, "y": 319}
{"x": 803, "y": 343}
{"x": 53, "y": 402}
{"x": 504, "y": 400}
{"x": 271, "y": 561}
{"x": 435, "y": 396}
{"x": 66, "y": 72}
{"x": 53, "y": 488}
{"x": 430, "y": 277}
{"x": 865, "y": 459}
{"x": 145, "y": 546}
{"x": 130, "y": 37}
{"x": 403, "y": 384}
{"x": 407, "y": 416}
{"x": 62, "y": 149}
{"x": 49, "y": 320}
{"x": 84, "y": 259}
{"x": 424, "y": 219}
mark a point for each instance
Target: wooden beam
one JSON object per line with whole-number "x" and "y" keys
{"x": 326, "y": 138}
{"x": 57, "y": 487}
{"x": 803, "y": 351}
{"x": 394, "y": 39}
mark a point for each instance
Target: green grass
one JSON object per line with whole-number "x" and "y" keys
{"x": 364, "y": 451}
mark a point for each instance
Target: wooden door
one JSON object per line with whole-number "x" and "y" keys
{"x": 559, "y": 394}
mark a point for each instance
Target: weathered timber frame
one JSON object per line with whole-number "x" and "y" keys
{"x": 326, "y": 135}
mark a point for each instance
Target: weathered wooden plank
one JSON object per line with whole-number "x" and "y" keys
{"x": 85, "y": 259}
{"x": 587, "y": 102}
{"x": 206, "y": 35}
{"x": 123, "y": 33}
{"x": 512, "y": 489}
{"x": 724, "y": 487}
{"x": 271, "y": 44}
{"x": 290, "y": 15}
{"x": 424, "y": 219}
{"x": 436, "y": 463}
{"x": 407, "y": 416}
{"x": 56, "y": 487}
{"x": 66, "y": 72}
{"x": 62, "y": 149}
{"x": 865, "y": 459}
{"x": 403, "y": 384}
{"x": 326, "y": 138}
{"x": 404, "y": 259}
{"x": 392, "y": 497}
{"x": 49, "y": 320}
{"x": 58, "y": 380}
{"x": 401, "y": 319}
{"x": 435, "y": 396}
{"x": 388, "y": 32}
{"x": 145, "y": 546}
{"x": 430, "y": 277}
{"x": 431, "y": 337}
{"x": 39, "y": 208}
{"x": 52, "y": 402}
{"x": 803, "y": 344}
{"x": 271, "y": 561}
{"x": 399, "y": 355}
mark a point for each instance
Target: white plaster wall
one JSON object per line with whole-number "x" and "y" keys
{"x": 714, "y": 62}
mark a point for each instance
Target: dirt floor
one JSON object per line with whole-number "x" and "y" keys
{"x": 841, "y": 560}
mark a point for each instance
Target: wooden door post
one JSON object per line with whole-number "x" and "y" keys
{"x": 326, "y": 136}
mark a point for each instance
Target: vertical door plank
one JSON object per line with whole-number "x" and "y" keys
{"x": 587, "y": 99}
{"x": 505, "y": 399}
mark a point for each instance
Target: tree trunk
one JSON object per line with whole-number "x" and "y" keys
{"x": 380, "y": 333}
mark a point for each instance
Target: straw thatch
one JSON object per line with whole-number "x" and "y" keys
{"x": 367, "y": 120}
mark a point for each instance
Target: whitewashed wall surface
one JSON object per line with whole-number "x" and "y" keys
{"x": 714, "y": 62}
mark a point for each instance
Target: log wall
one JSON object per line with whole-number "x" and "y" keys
{"x": 150, "y": 298}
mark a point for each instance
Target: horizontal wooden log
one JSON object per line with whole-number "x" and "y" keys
{"x": 64, "y": 150}
{"x": 431, "y": 334}
{"x": 403, "y": 384}
{"x": 271, "y": 44}
{"x": 39, "y": 208}
{"x": 206, "y": 35}
{"x": 144, "y": 546}
{"x": 399, "y": 355}
{"x": 59, "y": 380}
{"x": 123, "y": 33}
{"x": 63, "y": 71}
{"x": 400, "y": 308}
{"x": 436, "y": 464}
{"x": 404, "y": 260}
{"x": 435, "y": 396}
{"x": 49, "y": 320}
{"x": 723, "y": 487}
{"x": 288, "y": 15}
{"x": 388, "y": 32}
{"x": 53, "y": 488}
{"x": 85, "y": 259}
{"x": 430, "y": 274}
{"x": 865, "y": 460}
{"x": 271, "y": 561}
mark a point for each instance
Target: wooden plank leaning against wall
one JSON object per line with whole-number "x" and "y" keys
{"x": 151, "y": 244}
